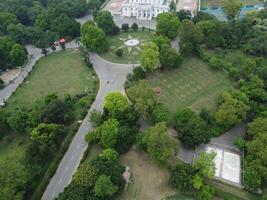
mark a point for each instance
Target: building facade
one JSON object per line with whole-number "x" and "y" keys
{"x": 144, "y": 9}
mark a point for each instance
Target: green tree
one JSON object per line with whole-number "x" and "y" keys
{"x": 167, "y": 25}
{"x": 184, "y": 14}
{"x": 191, "y": 129}
{"x": 96, "y": 118}
{"x": 159, "y": 144}
{"x": 85, "y": 176}
{"x": 94, "y": 38}
{"x": 104, "y": 188}
{"x": 109, "y": 131}
{"x": 104, "y": 20}
{"x": 143, "y": 97}
{"x": 6, "y": 18}
{"x": 173, "y": 6}
{"x": 232, "y": 110}
{"x": 232, "y": 8}
{"x": 125, "y": 27}
{"x": 205, "y": 165}
{"x": 134, "y": 26}
{"x": 162, "y": 40}
{"x": 115, "y": 103}
{"x": 181, "y": 177}
{"x": 150, "y": 56}
{"x": 191, "y": 37}
{"x": 46, "y": 133}
{"x": 169, "y": 58}
{"x": 160, "y": 114}
{"x": 207, "y": 193}
{"x": 109, "y": 154}
{"x": 18, "y": 55}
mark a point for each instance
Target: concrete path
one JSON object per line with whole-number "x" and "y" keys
{"x": 115, "y": 74}
{"x": 34, "y": 54}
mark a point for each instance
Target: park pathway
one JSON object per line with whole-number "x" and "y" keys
{"x": 112, "y": 77}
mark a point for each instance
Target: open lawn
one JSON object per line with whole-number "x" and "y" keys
{"x": 219, "y": 3}
{"x": 148, "y": 181}
{"x": 63, "y": 73}
{"x": 130, "y": 55}
{"x": 192, "y": 85}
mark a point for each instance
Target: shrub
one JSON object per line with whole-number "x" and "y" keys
{"x": 2, "y": 84}
{"x": 215, "y": 63}
{"x": 119, "y": 52}
{"x": 160, "y": 114}
{"x": 125, "y": 27}
{"x": 139, "y": 73}
{"x": 134, "y": 26}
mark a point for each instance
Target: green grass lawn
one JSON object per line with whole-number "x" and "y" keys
{"x": 192, "y": 85}
{"x": 219, "y": 3}
{"x": 63, "y": 73}
{"x": 131, "y": 55}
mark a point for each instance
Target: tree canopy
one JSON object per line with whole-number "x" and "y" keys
{"x": 167, "y": 25}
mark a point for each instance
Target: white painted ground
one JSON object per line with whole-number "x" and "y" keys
{"x": 227, "y": 164}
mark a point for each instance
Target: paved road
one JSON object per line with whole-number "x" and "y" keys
{"x": 34, "y": 55}
{"x": 106, "y": 71}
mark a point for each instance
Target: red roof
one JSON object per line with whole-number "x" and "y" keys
{"x": 62, "y": 40}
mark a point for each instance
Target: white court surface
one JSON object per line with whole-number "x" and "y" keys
{"x": 227, "y": 165}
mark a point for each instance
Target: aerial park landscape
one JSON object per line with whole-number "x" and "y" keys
{"x": 133, "y": 99}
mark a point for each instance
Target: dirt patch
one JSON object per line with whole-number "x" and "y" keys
{"x": 148, "y": 181}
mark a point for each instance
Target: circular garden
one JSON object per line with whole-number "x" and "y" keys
{"x": 126, "y": 47}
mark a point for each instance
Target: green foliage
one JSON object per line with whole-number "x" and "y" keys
{"x": 192, "y": 130}
{"x": 205, "y": 165}
{"x": 232, "y": 8}
{"x": 139, "y": 73}
{"x": 215, "y": 63}
{"x": 125, "y": 27}
{"x": 191, "y": 38}
{"x": 77, "y": 192}
{"x": 6, "y": 18}
{"x": 160, "y": 114}
{"x": 233, "y": 109}
{"x": 207, "y": 193}
{"x": 2, "y": 84}
{"x": 197, "y": 182}
{"x": 94, "y": 38}
{"x": 134, "y": 26}
{"x": 46, "y": 133}
{"x": 169, "y": 58}
{"x": 167, "y": 25}
{"x": 85, "y": 176}
{"x": 181, "y": 177}
{"x": 162, "y": 40}
{"x": 159, "y": 144}
{"x": 142, "y": 97}
{"x": 104, "y": 20}
{"x": 96, "y": 118}
{"x": 115, "y": 103}
{"x": 184, "y": 14}
{"x": 104, "y": 188}
{"x": 119, "y": 52}
{"x": 109, "y": 154}
{"x": 150, "y": 56}
{"x": 240, "y": 143}
{"x": 109, "y": 133}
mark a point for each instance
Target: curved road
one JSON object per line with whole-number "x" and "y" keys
{"x": 112, "y": 77}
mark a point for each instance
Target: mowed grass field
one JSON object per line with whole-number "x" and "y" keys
{"x": 148, "y": 180}
{"x": 193, "y": 85}
{"x": 131, "y": 55}
{"x": 220, "y": 3}
{"x": 63, "y": 73}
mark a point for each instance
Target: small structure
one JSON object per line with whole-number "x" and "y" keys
{"x": 157, "y": 91}
{"x": 61, "y": 41}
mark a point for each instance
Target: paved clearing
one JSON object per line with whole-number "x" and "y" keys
{"x": 149, "y": 182}
{"x": 63, "y": 72}
{"x": 192, "y": 85}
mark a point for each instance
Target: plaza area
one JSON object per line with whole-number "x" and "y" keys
{"x": 130, "y": 43}
{"x": 227, "y": 163}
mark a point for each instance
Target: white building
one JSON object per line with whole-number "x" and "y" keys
{"x": 144, "y": 9}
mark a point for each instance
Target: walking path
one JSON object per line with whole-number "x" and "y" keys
{"x": 34, "y": 54}
{"x": 112, "y": 77}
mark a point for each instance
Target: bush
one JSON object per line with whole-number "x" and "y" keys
{"x": 134, "y": 26}
{"x": 160, "y": 114}
{"x": 215, "y": 63}
{"x": 119, "y": 52}
{"x": 139, "y": 73}
{"x": 125, "y": 27}
{"x": 2, "y": 84}
{"x": 96, "y": 118}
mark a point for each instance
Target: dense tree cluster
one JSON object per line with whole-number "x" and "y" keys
{"x": 98, "y": 179}
{"x": 167, "y": 25}
{"x": 11, "y": 54}
{"x": 104, "y": 20}
{"x": 46, "y": 122}
{"x": 119, "y": 127}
